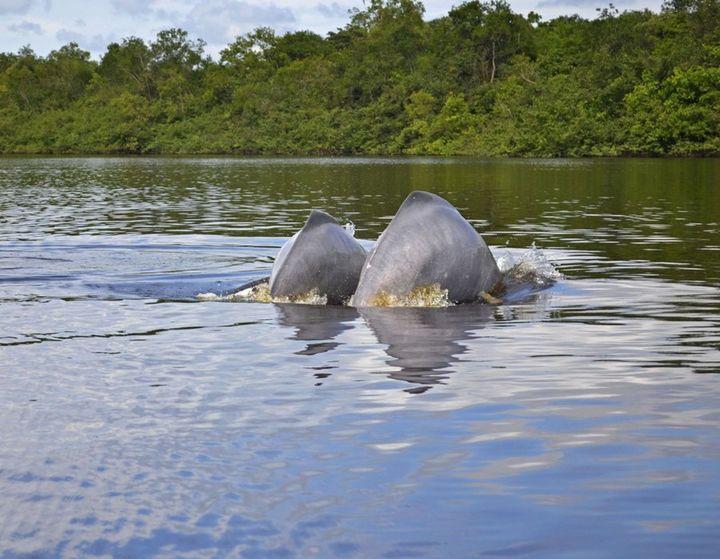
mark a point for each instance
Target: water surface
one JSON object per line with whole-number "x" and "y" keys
{"x": 136, "y": 421}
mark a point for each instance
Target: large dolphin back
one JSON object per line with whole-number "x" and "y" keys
{"x": 322, "y": 256}
{"x": 428, "y": 242}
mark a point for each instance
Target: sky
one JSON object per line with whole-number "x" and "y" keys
{"x": 48, "y": 24}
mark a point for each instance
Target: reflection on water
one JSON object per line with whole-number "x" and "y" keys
{"x": 580, "y": 420}
{"x": 423, "y": 342}
{"x": 316, "y": 323}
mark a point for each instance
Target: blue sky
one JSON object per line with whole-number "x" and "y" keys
{"x": 48, "y": 24}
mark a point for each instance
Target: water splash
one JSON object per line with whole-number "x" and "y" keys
{"x": 424, "y": 296}
{"x": 350, "y": 228}
{"x": 260, "y": 293}
{"x": 521, "y": 275}
{"x": 531, "y": 268}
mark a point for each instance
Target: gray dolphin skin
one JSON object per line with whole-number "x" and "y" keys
{"x": 321, "y": 256}
{"x": 427, "y": 242}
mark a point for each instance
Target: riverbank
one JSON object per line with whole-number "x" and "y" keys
{"x": 329, "y": 153}
{"x": 83, "y": 129}
{"x": 482, "y": 80}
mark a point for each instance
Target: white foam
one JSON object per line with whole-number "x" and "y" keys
{"x": 350, "y": 228}
{"x": 261, "y": 294}
{"x": 530, "y": 269}
{"x": 532, "y": 266}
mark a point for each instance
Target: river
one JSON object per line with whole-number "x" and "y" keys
{"x": 138, "y": 421}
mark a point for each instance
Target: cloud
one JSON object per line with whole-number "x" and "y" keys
{"x": 26, "y": 27}
{"x": 132, "y": 7}
{"x": 19, "y": 7}
{"x": 333, "y": 11}
{"x": 95, "y": 43}
{"x": 167, "y": 15}
{"x": 68, "y": 36}
{"x": 15, "y": 6}
{"x": 218, "y": 21}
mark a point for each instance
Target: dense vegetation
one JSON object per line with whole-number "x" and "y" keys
{"x": 481, "y": 80}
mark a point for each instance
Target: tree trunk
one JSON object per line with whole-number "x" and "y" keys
{"x": 492, "y": 74}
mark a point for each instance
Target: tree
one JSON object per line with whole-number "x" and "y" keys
{"x": 173, "y": 50}
{"x": 488, "y": 35}
{"x": 481, "y": 80}
{"x": 127, "y": 65}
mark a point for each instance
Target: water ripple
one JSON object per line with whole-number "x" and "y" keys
{"x": 138, "y": 422}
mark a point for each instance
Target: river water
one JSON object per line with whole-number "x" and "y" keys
{"x": 138, "y": 421}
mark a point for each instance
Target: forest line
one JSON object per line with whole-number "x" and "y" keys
{"x": 482, "y": 80}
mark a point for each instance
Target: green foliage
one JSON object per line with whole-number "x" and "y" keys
{"x": 480, "y": 80}
{"x": 679, "y": 115}
{"x": 126, "y": 66}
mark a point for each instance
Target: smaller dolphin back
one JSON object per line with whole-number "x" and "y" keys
{"x": 321, "y": 259}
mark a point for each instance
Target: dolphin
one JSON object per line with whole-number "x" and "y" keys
{"x": 321, "y": 257}
{"x": 427, "y": 243}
